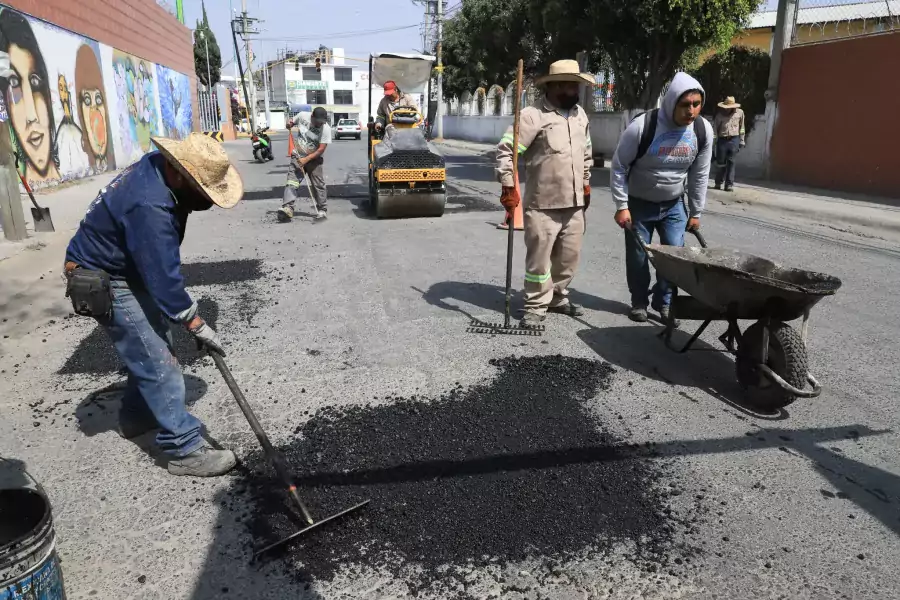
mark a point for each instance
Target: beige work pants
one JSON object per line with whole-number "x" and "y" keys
{"x": 552, "y": 249}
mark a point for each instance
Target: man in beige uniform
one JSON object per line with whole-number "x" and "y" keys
{"x": 555, "y": 140}
{"x": 728, "y": 128}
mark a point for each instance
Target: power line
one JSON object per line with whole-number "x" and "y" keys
{"x": 342, "y": 34}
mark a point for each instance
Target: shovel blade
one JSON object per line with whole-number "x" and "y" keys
{"x": 42, "y": 220}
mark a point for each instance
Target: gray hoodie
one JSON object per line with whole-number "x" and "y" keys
{"x": 672, "y": 165}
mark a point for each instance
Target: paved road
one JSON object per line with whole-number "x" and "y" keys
{"x": 355, "y": 312}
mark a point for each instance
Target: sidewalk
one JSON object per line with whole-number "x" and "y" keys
{"x": 67, "y": 204}
{"x": 843, "y": 213}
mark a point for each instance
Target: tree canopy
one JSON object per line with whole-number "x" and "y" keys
{"x": 642, "y": 42}
{"x": 205, "y": 39}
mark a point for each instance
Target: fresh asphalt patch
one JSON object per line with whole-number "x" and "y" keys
{"x": 510, "y": 470}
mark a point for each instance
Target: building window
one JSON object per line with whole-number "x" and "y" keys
{"x": 316, "y": 97}
{"x": 310, "y": 74}
{"x": 343, "y": 97}
{"x": 343, "y": 74}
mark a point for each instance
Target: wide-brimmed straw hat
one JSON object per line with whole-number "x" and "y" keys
{"x": 204, "y": 161}
{"x": 565, "y": 70}
{"x": 729, "y": 103}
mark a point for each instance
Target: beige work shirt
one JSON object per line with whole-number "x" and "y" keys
{"x": 726, "y": 125}
{"x": 556, "y": 146}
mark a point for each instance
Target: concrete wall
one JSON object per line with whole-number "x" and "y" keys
{"x": 127, "y": 74}
{"x": 606, "y": 128}
{"x": 818, "y": 145}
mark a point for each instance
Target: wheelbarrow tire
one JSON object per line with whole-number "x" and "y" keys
{"x": 787, "y": 357}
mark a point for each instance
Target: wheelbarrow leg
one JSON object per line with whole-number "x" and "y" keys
{"x": 667, "y": 336}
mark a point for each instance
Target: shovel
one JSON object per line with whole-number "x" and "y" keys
{"x": 42, "y": 220}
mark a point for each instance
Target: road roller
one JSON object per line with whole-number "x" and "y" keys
{"x": 407, "y": 175}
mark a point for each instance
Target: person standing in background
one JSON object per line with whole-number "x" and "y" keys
{"x": 729, "y": 131}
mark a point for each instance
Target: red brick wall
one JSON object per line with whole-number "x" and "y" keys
{"x": 138, "y": 27}
{"x": 837, "y": 127}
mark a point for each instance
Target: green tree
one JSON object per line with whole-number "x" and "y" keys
{"x": 642, "y": 42}
{"x": 205, "y": 40}
{"x": 739, "y": 72}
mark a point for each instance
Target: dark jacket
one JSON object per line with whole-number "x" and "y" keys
{"x": 133, "y": 231}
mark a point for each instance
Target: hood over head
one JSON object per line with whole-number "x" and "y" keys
{"x": 681, "y": 83}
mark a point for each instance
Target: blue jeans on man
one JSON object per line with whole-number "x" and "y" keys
{"x": 727, "y": 149}
{"x": 669, "y": 220}
{"x": 155, "y": 393}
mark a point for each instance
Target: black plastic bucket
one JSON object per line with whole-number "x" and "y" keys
{"x": 29, "y": 566}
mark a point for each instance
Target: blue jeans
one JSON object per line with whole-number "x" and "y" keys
{"x": 726, "y": 151}
{"x": 670, "y": 220}
{"x": 155, "y": 392}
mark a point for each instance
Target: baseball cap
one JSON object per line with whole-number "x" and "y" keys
{"x": 389, "y": 88}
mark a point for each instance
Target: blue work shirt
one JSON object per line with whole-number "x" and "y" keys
{"x": 133, "y": 231}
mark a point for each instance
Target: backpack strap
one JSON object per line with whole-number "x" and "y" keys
{"x": 647, "y": 134}
{"x": 700, "y": 132}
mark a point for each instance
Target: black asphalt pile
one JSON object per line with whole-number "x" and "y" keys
{"x": 222, "y": 272}
{"x": 501, "y": 472}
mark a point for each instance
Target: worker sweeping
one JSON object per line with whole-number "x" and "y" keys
{"x": 555, "y": 141}
{"x": 307, "y": 161}
{"x": 123, "y": 268}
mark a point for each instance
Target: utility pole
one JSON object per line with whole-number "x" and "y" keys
{"x": 234, "y": 57}
{"x": 266, "y": 84}
{"x": 785, "y": 19}
{"x": 440, "y": 71}
{"x": 240, "y": 66}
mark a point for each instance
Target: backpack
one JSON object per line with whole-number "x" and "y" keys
{"x": 649, "y": 132}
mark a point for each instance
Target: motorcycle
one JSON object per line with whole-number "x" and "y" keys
{"x": 262, "y": 146}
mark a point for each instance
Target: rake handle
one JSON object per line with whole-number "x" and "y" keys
{"x": 511, "y": 221}
{"x": 271, "y": 453}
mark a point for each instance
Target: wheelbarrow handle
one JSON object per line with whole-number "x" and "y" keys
{"x": 643, "y": 245}
{"x": 699, "y": 237}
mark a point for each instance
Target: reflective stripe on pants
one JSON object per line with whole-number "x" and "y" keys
{"x": 553, "y": 240}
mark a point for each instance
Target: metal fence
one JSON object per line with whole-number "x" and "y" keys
{"x": 207, "y": 99}
{"x": 823, "y": 20}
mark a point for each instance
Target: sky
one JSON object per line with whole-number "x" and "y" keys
{"x": 305, "y": 24}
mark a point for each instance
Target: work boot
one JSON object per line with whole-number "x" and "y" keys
{"x": 322, "y": 215}
{"x": 285, "y": 213}
{"x": 729, "y": 188}
{"x": 638, "y": 314}
{"x": 203, "y": 462}
{"x": 665, "y": 314}
{"x": 568, "y": 309}
{"x": 718, "y": 186}
{"x": 531, "y": 320}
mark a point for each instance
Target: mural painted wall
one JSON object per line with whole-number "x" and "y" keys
{"x": 174, "y": 102}
{"x": 78, "y": 108}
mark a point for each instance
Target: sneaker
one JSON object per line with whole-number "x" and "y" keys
{"x": 285, "y": 213}
{"x": 638, "y": 314}
{"x": 568, "y": 309}
{"x": 729, "y": 188}
{"x": 531, "y": 319}
{"x": 322, "y": 214}
{"x": 718, "y": 186}
{"x": 203, "y": 462}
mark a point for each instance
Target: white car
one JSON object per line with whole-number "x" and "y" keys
{"x": 347, "y": 128}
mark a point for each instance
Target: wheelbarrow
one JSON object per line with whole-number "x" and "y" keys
{"x": 771, "y": 360}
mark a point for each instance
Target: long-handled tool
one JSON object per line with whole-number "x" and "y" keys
{"x": 507, "y": 328}
{"x": 276, "y": 459}
{"x": 42, "y": 220}
{"x": 312, "y": 200}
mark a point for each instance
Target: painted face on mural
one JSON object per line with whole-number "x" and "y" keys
{"x": 28, "y": 103}
{"x": 93, "y": 115}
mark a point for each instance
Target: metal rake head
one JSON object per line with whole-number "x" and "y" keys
{"x": 477, "y": 326}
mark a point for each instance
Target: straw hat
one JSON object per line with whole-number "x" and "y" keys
{"x": 729, "y": 103}
{"x": 204, "y": 162}
{"x": 565, "y": 70}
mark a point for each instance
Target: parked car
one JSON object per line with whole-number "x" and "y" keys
{"x": 347, "y": 128}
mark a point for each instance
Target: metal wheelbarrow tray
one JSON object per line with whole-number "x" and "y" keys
{"x": 730, "y": 285}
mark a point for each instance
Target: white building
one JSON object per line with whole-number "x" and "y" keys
{"x": 338, "y": 87}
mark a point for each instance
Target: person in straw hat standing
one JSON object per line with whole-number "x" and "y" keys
{"x": 729, "y": 129}
{"x": 128, "y": 243}
{"x": 555, "y": 142}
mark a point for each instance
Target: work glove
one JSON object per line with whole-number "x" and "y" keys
{"x": 206, "y": 336}
{"x": 509, "y": 198}
{"x": 587, "y": 196}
